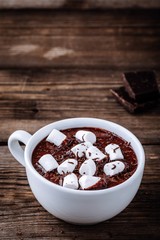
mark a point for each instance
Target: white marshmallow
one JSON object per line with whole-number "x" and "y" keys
{"x": 80, "y": 149}
{"x": 48, "y": 162}
{"x": 114, "y": 151}
{"x": 70, "y": 181}
{"x": 113, "y": 168}
{"x": 87, "y": 181}
{"x": 86, "y": 136}
{"x": 88, "y": 167}
{"x": 94, "y": 153}
{"x": 56, "y": 137}
{"x": 67, "y": 166}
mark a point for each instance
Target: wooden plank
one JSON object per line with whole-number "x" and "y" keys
{"x": 76, "y": 40}
{"x": 52, "y": 53}
{"x": 78, "y": 4}
{"x": 48, "y": 20}
{"x": 135, "y": 124}
{"x": 22, "y": 217}
{"x": 31, "y": 99}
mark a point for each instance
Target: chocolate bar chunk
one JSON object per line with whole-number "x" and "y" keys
{"x": 141, "y": 86}
{"x": 129, "y": 103}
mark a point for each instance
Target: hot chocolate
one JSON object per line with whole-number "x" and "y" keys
{"x": 84, "y": 158}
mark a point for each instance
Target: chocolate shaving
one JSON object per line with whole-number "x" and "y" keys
{"x": 83, "y": 137}
{"x": 64, "y": 152}
{"x": 114, "y": 150}
{"x": 114, "y": 166}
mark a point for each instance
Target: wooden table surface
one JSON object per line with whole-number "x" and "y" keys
{"x": 57, "y": 64}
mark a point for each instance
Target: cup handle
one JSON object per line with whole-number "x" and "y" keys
{"x": 14, "y": 146}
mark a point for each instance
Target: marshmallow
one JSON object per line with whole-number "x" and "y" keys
{"x": 114, "y": 152}
{"x": 94, "y": 153}
{"x": 56, "y": 137}
{"x": 87, "y": 181}
{"x": 86, "y": 136}
{"x": 80, "y": 149}
{"x": 67, "y": 166}
{"x": 48, "y": 162}
{"x": 70, "y": 181}
{"x": 88, "y": 167}
{"x": 113, "y": 168}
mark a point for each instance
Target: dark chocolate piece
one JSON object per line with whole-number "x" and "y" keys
{"x": 129, "y": 103}
{"x": 141, "y": 86}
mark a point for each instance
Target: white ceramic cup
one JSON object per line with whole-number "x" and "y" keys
{"x": 78, "y": 206}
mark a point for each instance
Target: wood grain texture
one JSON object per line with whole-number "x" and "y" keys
{"x": 22, "y": 217}
{"x": 80, "y": 40}
{"x": 46, "y": 96}
{"x": 78, "y": 4}
{"x": 62, "y": 64}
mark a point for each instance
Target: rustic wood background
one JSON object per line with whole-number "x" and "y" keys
{"x": 79, "y": 4}
{"x": 56, "y": 64}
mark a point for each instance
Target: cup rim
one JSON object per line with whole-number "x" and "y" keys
{"x": 140, "y": 158}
